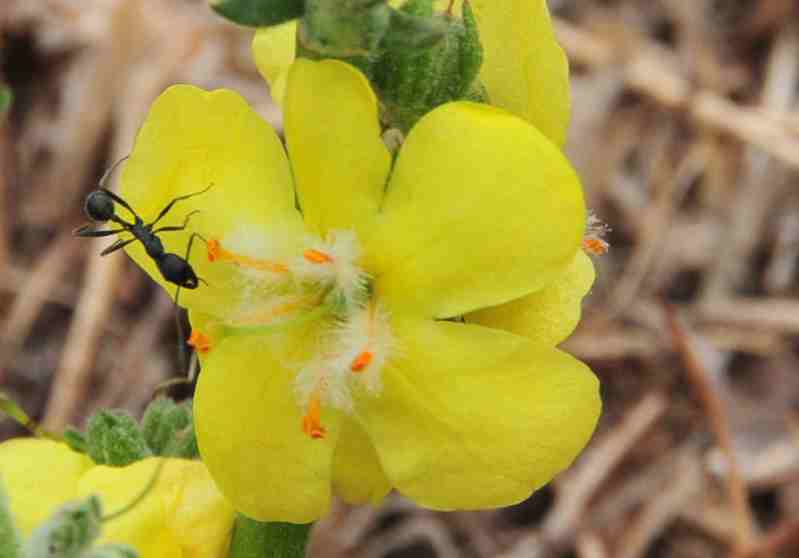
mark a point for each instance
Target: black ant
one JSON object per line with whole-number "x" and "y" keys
{"x": 99, "y": 207}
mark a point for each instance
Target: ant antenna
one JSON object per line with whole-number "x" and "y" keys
{"x": 110, "y": 170}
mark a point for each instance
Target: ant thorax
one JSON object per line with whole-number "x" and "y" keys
{"x": 100, "y": 207}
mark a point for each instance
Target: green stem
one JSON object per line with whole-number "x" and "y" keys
{"x": 253, "y": 539}
{"x": 10, "y": 543}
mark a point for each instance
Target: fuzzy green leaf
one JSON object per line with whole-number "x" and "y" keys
{"x": 113, "y": 438}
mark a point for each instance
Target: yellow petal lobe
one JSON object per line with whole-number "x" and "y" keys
{"x": 145, "y": 527}
{"x": 358, "y": 476}
{"x": 474, "y": 418}
{"x": 339, "y": 160}
{"x": 274, "y": 49}
{"x": 193, "y": 140}
{"x": 199, "y": 518}
{"x": 524, "y": 68}
{"x": 39, "y": 476}
{"x": 481, "y": 209}
{"x": 547, "y": 316}
{"x": 249, "y": 429}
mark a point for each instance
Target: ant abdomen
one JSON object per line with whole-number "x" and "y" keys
{"x": 177, "y": 270}
{"x": 99, "y": 206}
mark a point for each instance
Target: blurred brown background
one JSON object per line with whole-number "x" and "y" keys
{"x": 686, "y": 133}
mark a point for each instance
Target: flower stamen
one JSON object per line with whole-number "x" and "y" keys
{"x": 217, "y": 253}
{"x": 361, "y": 361}
{"x": 317, "y": 256}
{"x": 312, "y": 421}
{"x": 594, "y": 239}
{"x": 200, "y": 341}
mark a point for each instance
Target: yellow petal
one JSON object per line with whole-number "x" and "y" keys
{"x": 481, "y": 209}
{"x": 145, "y": 526}
{"x": 274, "y": 49}
{"x": 249, "y": 430}
{"x": 193, "y": 139}
{"x": 547, "y": 316}
{"x": 201, "y": 519}
{"x": 339, "y": 160}
{"x": 358, "y": 477}
{"x": 524, "y": 68}
{"x": 473, "y": 418}
{"x": 39, "y": 475}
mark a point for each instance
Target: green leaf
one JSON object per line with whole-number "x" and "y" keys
{"x": 259, "y": 13}
{"x": 254, "y": 539}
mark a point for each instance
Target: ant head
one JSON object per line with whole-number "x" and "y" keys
{"x": 99, "y": 206}
{"x": 178, "y": 271}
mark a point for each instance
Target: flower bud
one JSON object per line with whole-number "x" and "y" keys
{"x": 414, "y": 81}
{"x": 114, "y": 438}
{"x": 162, "y": 423}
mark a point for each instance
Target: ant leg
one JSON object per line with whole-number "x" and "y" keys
{"x": 110, "y": 170}
{"x": 117, "y": 245}
{"x": 174, "y": 201}
{"x": 87, "y": 231}
{"x": 176, "y": 228}
{"x": 178, "y": 322}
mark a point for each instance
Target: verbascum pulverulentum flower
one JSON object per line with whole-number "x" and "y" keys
{"x": 351, "y": 331}
{"x": 184, "y": 515}
{"x": 524, "y": 68}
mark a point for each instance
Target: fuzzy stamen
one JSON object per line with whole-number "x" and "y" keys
{"x": 596, "y": 246}
{"x": 312, "y": 421}
{"x": 360, "y": 362}
{"x": 217, "y": 253}
{"x": 317, "y": 256}
{"x": 594, "y": 240}
{"x": 200, "y": 341}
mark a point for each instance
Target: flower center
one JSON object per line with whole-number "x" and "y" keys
{"x": 323, "y": 283}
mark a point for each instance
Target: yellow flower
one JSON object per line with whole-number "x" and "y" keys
{"x": 524, "y": 69}
{"x": 334, "y": 354}
{"x": 184, "y": 515}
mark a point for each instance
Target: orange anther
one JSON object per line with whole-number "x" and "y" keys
{"x": 200, "y": 341}
{"x": 312, "y": 421}
{"x": 217, "y": 253}
{"x": 317, "y": 257}
{"x": 214, "y": 250}
{"x": 360, "y": 362}
{"x": 595, "y": 246}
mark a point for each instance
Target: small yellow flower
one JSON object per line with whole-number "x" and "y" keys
{"x": 184, "y": 515}
{"x": 524, "y": 68}
{"x": 335, "y": 358}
